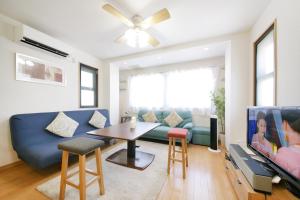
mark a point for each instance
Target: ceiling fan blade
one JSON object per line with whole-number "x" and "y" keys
{"x": 158, "y": 17}
{"x": 109, "y": 8}
{"x": 152, "y": 41}
{"x": 121, "y": 39}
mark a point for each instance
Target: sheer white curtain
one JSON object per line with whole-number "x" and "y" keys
{"x": 146, "y": 91}
{"x": 177, "y": 89}
{"x": 190, "y": 89}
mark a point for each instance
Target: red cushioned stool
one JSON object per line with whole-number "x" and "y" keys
{"x": 173, "y": 134}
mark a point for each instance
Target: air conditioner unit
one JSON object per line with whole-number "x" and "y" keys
{"x": 30, "y": 36}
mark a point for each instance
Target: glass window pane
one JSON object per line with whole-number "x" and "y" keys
{"x": 87, "y": 98}
{"x": 265, "y": 56}
{"x": 265, "y": 92}
{"x": 87, "y": 79}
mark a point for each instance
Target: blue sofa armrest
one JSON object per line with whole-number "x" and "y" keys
{"x": 188, "y": 126}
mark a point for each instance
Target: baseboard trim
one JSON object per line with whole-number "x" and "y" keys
{"x": 5, "y": 167}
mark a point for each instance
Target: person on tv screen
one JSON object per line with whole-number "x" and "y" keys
{"x": 289, "y": 157}
{"x": 259, "y": 142}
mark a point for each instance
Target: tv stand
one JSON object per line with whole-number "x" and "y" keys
{"x": 244, "y": 191}
{"x": 292, "y": 188}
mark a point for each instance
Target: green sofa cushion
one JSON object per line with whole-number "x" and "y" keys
{"x": 160, "y": 131}
{"x": 201, "y": 135}
{"x": 199, "y": 130}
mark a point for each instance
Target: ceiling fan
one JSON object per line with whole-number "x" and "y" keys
{"x": 136, "y": 35}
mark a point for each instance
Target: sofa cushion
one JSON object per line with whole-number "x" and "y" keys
{"x": 97, "y": 120}
{"x": 44, "y": 154}
{"x": 63, "y": 125}
{"x": 161, "y": 131}
{"x": 150, "y": 117}
{"x": 173, "y": 119}
{"x": 199, "y": 130}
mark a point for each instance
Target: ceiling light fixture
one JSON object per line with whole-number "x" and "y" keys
{"x": 135, "y": 37}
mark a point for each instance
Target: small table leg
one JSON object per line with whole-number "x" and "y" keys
{"x": 131, "y": 150}
{"x": 131, "y": 158}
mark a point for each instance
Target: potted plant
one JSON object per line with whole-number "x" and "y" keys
{"x": 218, "y": 98}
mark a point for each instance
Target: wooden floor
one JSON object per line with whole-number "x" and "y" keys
{"x": 206, "y": 179}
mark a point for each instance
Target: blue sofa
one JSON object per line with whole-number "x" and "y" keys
{"x": 37, "y": 146}
{"x": 161, "y": 132}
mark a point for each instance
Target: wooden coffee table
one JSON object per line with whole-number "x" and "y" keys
{"x": 128, "y": 157}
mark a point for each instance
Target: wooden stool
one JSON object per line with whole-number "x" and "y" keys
{"x": 80, "y": 146}
{"x": 173, "y": 134}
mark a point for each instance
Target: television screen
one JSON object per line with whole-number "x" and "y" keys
{"x": 274, "y": 132}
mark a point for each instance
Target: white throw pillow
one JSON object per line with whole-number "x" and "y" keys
{"x": 63, "y": 125}
{"x": 97, "y": 120}
{"x": 173, "y": 119}
{"x": 150, "y": 117}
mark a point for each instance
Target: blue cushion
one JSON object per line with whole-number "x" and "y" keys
{"x": 37, "y": 146}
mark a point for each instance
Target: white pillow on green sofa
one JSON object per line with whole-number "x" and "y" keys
{"x": 173, "y": 119}
{"x": 150, "y": 117}
{"x": 63, "y": 125}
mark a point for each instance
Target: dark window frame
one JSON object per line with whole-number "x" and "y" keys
{"x": 93, "y": 70}
{"x": 272, "y": 27}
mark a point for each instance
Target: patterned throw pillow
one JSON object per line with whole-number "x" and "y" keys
{"x": 173, "y": 119}
{"x": 150, "y": 117}
{"x": 97, "y": 120}
{"x": 63, "y": 125}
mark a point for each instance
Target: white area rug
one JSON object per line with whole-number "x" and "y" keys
{"x": 120, "y": 182}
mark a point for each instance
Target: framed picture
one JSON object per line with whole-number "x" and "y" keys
{"x": 38, "y": 71}
{"x": 265, "y": 64}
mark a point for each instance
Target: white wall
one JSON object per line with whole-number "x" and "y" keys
{"x": 287, "y": 13}
{"x": 114, "y": 94}
{"x": 25, "y": 97}
{"x": 111, "y": 91}
{"x": 237, "y": 88}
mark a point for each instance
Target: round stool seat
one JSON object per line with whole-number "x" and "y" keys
{"x": 177, "y": 133}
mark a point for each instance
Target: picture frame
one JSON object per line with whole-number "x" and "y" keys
{"x": 35, "y": 70}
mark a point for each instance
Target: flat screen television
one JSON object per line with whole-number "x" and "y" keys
{"x": 273, "y": 133}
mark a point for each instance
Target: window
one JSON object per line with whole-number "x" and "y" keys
{"x": 147, "y": 91}
{"x": 265, "y": 68}
{"x": 178, "y": 89}
{"x": 88, "y": 86}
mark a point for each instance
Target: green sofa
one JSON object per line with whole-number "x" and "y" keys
{"x": 201, "y": 135}
{"x": 161, "y": 132}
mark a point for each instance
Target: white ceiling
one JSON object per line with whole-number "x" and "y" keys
{"x": 174, "y": 56}
{"x": 85, "y": 25}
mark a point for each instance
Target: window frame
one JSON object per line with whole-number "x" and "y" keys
{"x": 87, "y": 68}
{"x": 272, "y": 27}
